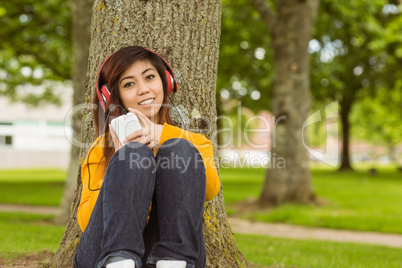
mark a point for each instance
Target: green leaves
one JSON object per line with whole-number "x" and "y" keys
{"x": 244, "y": 56}
{"x": 35, "y": 47}
{"x": 379, "y": 119}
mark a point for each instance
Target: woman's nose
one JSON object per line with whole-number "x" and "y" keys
{"x": 142, "y": 88}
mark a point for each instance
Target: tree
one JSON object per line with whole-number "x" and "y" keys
{"x": 188, "y": 35}
{"x": 81, "y": 18}
{"x": 357, "y": 54}
{"x": 290, "y": 27}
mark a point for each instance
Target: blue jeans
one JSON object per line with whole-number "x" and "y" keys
{"x": 174, "y": 181}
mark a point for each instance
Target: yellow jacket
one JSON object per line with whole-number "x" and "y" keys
{"x": 96, "y": 165}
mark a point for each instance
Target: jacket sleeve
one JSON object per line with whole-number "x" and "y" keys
{"x": 205, "y": 148}
{"x": 92, "y": 171}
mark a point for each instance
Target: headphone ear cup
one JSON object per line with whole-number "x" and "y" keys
{"x": 103, "y": 96}
{"x": 170, "y": 81}
{"x": 105, "y": 91}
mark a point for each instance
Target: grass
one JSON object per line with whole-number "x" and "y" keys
{"x": 32, "y": 187}
{"x": 280, "y": 252}
{"x": 358, "y": 201}
{"x": 23, "y": 233}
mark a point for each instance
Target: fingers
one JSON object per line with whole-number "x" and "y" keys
{"x": 136, "y": 135}
{"x": 145, "y": 135}
{"x": 143, "y": 119}
{"x": 145, "y": 139}
{"x": 145, "y": 131}
{"x": 152, "y": 144}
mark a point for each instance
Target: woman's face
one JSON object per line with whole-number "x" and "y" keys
{"x": 140, "y": 87}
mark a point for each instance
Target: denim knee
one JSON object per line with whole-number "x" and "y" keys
{"x": 179, "y": 146}
{"x": 179, "y": 154}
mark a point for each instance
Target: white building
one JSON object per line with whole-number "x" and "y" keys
{"x": 35, "y": 137}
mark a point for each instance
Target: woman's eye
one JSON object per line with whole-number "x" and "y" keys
{"x": 129, "y": 84}
{"x": 150, "y": 77}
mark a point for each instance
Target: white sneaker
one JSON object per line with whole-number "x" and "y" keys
{"x": 171, "y": 264}
{"x": 121, "y": 264}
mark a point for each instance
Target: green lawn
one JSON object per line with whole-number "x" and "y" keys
{"x": 23, "y": 233}
{"x": 281, "y": 252}
{"x": 32, "y": 187}
{"x": 357, "y": 201}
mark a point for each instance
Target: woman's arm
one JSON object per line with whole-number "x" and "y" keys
{"x": 205, "y": 148}
{"x": 93, "y": 170}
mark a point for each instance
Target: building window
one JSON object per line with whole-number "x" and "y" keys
{"x": 6, "y": 140}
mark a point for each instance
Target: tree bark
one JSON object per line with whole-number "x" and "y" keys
{"x": 346, "y": 106}
{"x": 81, "y": 16}
{"x": 288, "y": 178}
{"x": 187, "y": 33}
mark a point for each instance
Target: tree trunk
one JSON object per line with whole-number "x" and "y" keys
{"x": 187, "y": 33}
{"x": 346, "y": 106}
{"x": 81, "y": 15}
{"x": 288, "y": 178}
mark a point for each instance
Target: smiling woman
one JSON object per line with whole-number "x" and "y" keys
{"x": 121, "y": 227}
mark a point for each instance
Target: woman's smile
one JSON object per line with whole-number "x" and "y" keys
{"x": 147, "y": 102}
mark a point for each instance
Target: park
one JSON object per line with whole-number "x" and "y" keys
{"x": 299, "y": 101}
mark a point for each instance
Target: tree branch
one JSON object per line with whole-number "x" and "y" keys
{"x": 267, "y": 15}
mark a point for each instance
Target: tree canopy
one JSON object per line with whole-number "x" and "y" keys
{"x": 245, "y": 70}
{"x": 36, "y": 47}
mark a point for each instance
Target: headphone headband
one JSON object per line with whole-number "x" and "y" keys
{"x": 103, "y": 92}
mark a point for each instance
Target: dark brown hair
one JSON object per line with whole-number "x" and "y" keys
{"x": 110, "y": 74}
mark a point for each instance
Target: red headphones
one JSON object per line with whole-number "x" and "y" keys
{"x": 103, "y": 92}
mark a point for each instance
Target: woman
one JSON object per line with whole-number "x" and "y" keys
{"x": 142, "y": 203}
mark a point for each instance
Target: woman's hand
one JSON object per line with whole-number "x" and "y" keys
{"x": 150, "y": 134}
{"x": 116, "y": 142}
